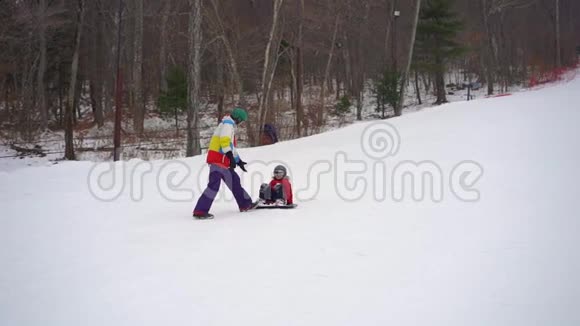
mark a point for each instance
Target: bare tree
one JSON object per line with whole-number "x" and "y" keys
{"x": 96, "y": 76}
{"x": 408, "y": 60}
{"x": 163, "y": 45}
{"x": 299, "y": 74}
{"x": 69, "y": 111}
{"x": 558, "y": 39}
{"x": 270, "y": 61}
{"x": 220, "y": 81}
{"x": 109, "y": 43}
{"x": 222, "y": 35}
{"x": 320, "y": 113}
{"x": 391, "y": 8}
{"x": 194, "y": 77}
{"x": 139, "y": 103}
{"x": 489, "y": 8}
{"x": 40, "y": 87}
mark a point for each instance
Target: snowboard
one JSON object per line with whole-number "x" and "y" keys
{"x": 265, "y": 206}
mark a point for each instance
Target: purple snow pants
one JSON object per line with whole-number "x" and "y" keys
{"x": 232, "y": 180}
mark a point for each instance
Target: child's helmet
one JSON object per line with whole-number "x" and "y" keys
{"x": 280, "y": 170}
{"x": 239, "y": 115}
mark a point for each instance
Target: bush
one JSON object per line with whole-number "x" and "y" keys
{"x": 174, "y": 99}
{"x": 386, "y": 90}
{"x": 343, "y": 105}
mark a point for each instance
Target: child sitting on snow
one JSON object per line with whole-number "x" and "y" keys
{"x": 279, "y": 191}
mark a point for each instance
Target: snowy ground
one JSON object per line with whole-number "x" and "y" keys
{"x": 493, "y": 242}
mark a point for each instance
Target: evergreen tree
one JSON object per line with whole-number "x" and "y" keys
{"x": 343, "y": 105}
{"x": 386, "y": 91}
{"x": 435, "y": 45}
{"x": 173, "y": 101}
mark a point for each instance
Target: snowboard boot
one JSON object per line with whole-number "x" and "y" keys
{"x": 278, "y": 195}
{"x": 202, "y": 216}
{"x": 251, "y": 207}
{"x": 265, "y": 192}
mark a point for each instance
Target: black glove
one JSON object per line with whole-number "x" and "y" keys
{"x": 242, "y": 165}
{"x": 230, "y": 156}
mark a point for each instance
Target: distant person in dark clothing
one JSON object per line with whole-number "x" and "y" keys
{"x": 269, "y": 135}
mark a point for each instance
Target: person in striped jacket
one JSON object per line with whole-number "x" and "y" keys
{"x": 223, "y": 158}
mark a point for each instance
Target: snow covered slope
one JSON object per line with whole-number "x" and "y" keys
{"x": 489, "y": 237}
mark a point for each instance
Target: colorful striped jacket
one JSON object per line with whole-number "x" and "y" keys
{"x": 222, "y": 141}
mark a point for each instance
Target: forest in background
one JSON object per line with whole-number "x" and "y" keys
{"x": 307, "y": 57}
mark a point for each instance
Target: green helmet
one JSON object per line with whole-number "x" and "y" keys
{"x": 239, "y": 115}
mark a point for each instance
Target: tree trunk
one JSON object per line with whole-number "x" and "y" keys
{"x": 268, "y": 70}
{"x": 229, "y": 50}
{"x": 503, "y": 59}
{"x": 391, "y": 8}
{"x": 96, "y": 80}
{"x": 359, "y": 63}
{"x": 490, "y": 64}
{"x": 27, "y": 96}
{"x": 395, "y": 52}
{"x": 439, "y": 75}
{"x": 359, "y": 78}
{"x": 61, "y": 102}
{"x": 118, "y": 85}
{"x": 194, "y": 77}
{"x": 108, "y": 29}
{"x": 163, "y": 47}
{"x": 77, "y": 100}
{"x": 426, "y": 78}
{"x": 320, "y": 113}
{"x": 293, "y": 87}
{"x": 69, "y": 111}
{"x": 347, "y": 81}
{"x": 409, "y": 60}
{"x": 557, "y": 30}
{"x": 359, "y": 104}
{"x": 338, "y": 82}
{"x": 96, "y": 102}
{"x": 417, "y": 90}
{"x": 40, "y": 87}
{"x": 440, "y": 87}
{"x": 139, "y": 104}
{"x": 221, "y": 85}
{"x": 299, "y": 70}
